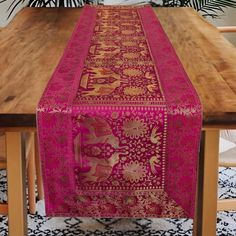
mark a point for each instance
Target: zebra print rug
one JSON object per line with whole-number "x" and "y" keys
{"x": 39, "y": 225}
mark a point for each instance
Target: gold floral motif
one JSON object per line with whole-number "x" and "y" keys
{"x": 133, "y": 91}
{"x": 155, "y": 136}
{"x": 130, "y": 200}
{"x": 129, "y": 43}
{"x": 83, "y": 199}
{"x": 114, "y": 115}
{"x": 134, "y": 171}
{"x": 127, "y": 32}
{"x": 152, "y": 87}
{"x": 155, "y": 163}
{"x": 141, "y": 204}
{"x": 171, "y": 208}
{"x": 134, "y": 128}
{"x": 131, "y": 55}
{"x": 132, "y": 72}
{"x": 95, "y": 151}
{"x": 115, "y": 183}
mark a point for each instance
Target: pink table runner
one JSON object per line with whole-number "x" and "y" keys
{"x": 119, "y": 122}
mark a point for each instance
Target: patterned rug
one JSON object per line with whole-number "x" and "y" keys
{"x": 39, "y": 225}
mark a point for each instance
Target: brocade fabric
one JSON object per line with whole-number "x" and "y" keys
{"x": 119, "y": 122}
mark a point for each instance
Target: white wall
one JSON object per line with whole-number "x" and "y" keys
{"x": 227, "y": 19}
{"x": 6, "y": 7}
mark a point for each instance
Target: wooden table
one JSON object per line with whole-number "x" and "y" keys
{"x": 30, "y": 49}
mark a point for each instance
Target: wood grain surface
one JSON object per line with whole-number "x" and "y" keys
{"x": 32, "y": 44}
{"x": 209, "y": 60}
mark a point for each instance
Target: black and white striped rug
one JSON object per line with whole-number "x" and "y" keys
{"x": 39, "y": 225}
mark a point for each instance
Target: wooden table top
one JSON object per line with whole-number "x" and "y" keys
{"x": 32, "y": 44}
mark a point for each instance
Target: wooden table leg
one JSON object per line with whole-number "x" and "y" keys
{"x": 38, "y": 170}
{"x": 206, "y": 210}
{"x": 17, "y": 208}
{"x": 31, "y": 174}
